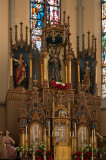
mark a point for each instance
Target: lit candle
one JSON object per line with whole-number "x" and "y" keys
{"x": 92, "y": 136}
{"x": 33, "y": 135}
{"x": 75, "y": 129}
{"x": 82, "y": 136}
{"x": 37, "y": 131}
{"x": 70, "y": 134}
{"x": 73, "y": 134}
{"x": 26, "y": 133}
{"x": 45, "y": 135}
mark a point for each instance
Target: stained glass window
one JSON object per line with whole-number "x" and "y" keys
{"x": 36, "y": 16}
{"x": 103, "y": 48}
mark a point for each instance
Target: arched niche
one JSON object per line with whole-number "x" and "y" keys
{"x": 35, "y": 133}
{"x": 83, "y": 136}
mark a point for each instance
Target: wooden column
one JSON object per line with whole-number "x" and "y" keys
{"x": 78, "y": 69}
{"x": 69, "y": 56}
{"x": 66, "y": 64}
{"x": 11, "y": 71}
{"x": 41, "y": 69}
{"x": 45, "y": 70}
{"x": 30, "y": 78}
{"x": 95, "y": 77}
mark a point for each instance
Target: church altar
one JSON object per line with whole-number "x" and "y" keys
{"x": 54, "y": 101}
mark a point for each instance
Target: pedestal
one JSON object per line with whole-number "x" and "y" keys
{"x": 11, "y": 83}
{"x": 69, "y": 85}
{"x": 30, "y": 84}
{"x": 45, "y": 84}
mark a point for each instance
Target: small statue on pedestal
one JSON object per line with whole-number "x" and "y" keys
{"x": 54, "y": 65}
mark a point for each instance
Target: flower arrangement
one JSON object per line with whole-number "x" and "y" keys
{"x": 77, "y": 155}
{"x": 49, "y": 155}
{"x": 40, "y": 149}
{"x": 20, "y": 148}
{"x": 59, "y": 85}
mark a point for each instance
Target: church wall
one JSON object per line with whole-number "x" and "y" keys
{"x": 92, "y": 22}
{"x": 2, "y": 116}
{"x": 4, "y": 48}
{"x": 4, "y": 59}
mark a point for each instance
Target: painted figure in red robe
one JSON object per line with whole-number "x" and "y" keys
{"x": 8, "y": 151}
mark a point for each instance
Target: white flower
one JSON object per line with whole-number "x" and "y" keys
{"x": 63, "y": 84}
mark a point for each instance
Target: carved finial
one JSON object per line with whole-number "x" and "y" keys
{"x": 30, "y": 40}
{"x": 26, "y": 38}
{"x": 83, "y": 42}
{"x": 16, "y": 37}
{"x": 64, "y": 18}
{"x": 95, "y": 47}
{"x": 21, "y": 34}
{"x": 11, "y": 39}
{"x": 68, "y": 21}
{"x": 77, "y": 46}
{"x": 88, "y": 42}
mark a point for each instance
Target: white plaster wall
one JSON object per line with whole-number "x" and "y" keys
{"x": 4, "y": 48}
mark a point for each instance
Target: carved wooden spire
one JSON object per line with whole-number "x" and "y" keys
{"x": 26, "y": 38}
{"x": 11, "y": 39}
{"x": 16, "y": 37}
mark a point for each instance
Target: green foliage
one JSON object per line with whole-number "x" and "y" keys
{"x": 20, "y": 148}
{"x": 41, "y": 147}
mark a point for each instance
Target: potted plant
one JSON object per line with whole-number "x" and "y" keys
{"x": 49, "y": 155}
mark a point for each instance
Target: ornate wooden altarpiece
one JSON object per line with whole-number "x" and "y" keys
{"x": 50, "y": 114}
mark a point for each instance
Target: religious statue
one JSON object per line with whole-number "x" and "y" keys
{"x": 54, "y": 65}
{"x": 8, "y": 151}
{"x": 86, "y": 77}
{"x": 20, "y": 71}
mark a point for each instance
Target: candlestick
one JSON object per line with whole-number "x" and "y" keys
{"x": 37, "y": 132}
{"x": 45, "y": 135}
{"x": 33, "y": 135}
{"x": 82, "y": 136}
{"x": 73, "y": 134}
{"x": 75, "y": 129}
{"x": 94, "y": 135}
{"x": 26, "y": 133}
{"x": 85, "y": 133}
{"x": 82, "y": 154}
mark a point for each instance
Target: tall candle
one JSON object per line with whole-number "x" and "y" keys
{"x": 26, "y": 133}
{"x": 37, "y": 131}
{"x": 85, "y": 133}
{"x": 45, "y": 135}
{"x": 33, "y": 135}
{"x": 75, "y": 129}
{"x": 92, "y": 136}
{"x": 82, "y": 136}
{"x": 73, "y": 134}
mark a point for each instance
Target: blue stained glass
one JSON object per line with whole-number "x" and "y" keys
{"x": 94, "y": 126}
{"x": 37, "y": 14}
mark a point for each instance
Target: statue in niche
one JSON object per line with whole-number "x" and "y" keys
{"x": 20, "y": 71}
{"x": 86, "y": 77}
{"x": 54, "y": 65}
